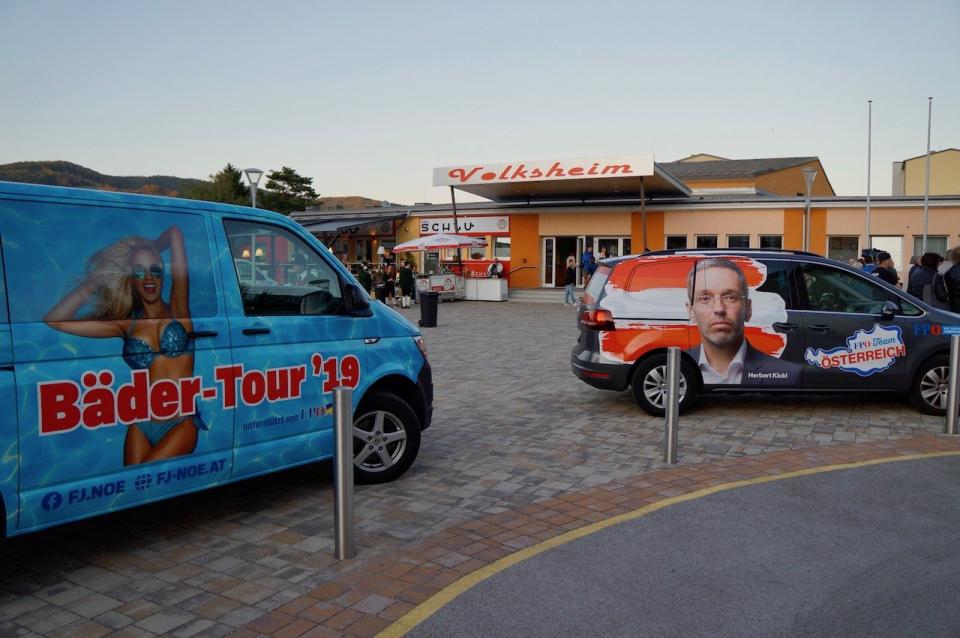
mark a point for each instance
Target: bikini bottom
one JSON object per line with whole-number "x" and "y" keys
{"x": 156, "y": 430}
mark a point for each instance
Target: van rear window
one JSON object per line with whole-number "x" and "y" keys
{"x": 597, "y": 282}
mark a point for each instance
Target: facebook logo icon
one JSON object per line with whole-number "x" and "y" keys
{"x": 51, "y": 501}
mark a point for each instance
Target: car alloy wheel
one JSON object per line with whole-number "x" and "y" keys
{"x": 655, "y": 386}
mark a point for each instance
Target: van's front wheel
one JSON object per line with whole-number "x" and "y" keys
{"x": 386, "y": 438}
{"x": 650, "y": 384}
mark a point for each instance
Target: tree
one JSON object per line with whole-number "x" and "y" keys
{"x": 226, "y": 186}
{"x": 287, "y": 191}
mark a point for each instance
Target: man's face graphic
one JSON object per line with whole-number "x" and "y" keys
{"x": 720, "y": 307}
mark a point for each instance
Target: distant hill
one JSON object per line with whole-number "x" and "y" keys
{"x": 60, "y": 173}
{"x": 352, "y": 201}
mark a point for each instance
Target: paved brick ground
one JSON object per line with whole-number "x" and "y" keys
{"x": 513, "y": 428}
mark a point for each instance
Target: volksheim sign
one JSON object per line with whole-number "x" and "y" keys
{"x": 544, "y": 170}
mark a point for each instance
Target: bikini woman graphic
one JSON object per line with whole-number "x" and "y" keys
{"x": 123, "y": 285}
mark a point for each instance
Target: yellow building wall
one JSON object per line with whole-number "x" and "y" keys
{"x": 655, "y": 234}
{"x": 904, "y": 222}
{"x": 721, "y": 223}
{"x": 525, "y": 251}
{"x": 790, "y": 181}
{"x": 944, "y": 174}
{"x": 567, "y": 224}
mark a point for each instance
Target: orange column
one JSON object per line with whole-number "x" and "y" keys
{"x": 655, "y": 237}
{"x": 818, "y": 231}
{"x": 793, "y": 229}
{"x": 525, "y": 251}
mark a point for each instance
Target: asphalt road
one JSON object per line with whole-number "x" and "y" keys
{"x": 869, "y": 551}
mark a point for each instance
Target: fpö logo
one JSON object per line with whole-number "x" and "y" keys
{"x": 545, "y": 170}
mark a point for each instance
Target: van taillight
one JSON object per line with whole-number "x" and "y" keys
{"x": 597, "y": 319}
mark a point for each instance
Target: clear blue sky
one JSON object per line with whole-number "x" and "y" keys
{"x": 368, "y": 97}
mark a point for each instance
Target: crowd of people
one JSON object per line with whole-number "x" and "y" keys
{"x": 392, "y": 285}
{"x": 932, "y": 278}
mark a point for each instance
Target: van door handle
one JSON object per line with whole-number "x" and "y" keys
{"x": 819, "y": 327}
{"x": 784, "y": 327}
{"x": 201, "y": 334}
{"x": 256, "y": 331}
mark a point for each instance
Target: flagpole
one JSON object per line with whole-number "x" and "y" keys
{"x": 926, "y": 191}
{"x": 869, "y": 140}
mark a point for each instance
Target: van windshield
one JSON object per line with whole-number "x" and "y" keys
{"x": 594, "y": 288}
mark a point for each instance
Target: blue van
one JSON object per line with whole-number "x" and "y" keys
{"x": 151, "y": 347}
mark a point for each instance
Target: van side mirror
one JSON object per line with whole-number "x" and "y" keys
{"x": 354, "y": 302}
{"x": 889, "y": 311}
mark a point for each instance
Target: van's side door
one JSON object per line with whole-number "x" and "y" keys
{"x": 848, "y": 345}
{"x": 291, "y": 345}
{"x": 9, "y": 444}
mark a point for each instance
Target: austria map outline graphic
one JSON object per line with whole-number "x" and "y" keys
{"x": 867, "y": 352}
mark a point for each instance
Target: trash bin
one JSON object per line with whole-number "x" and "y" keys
{"x": 380, "y": 292}
{"x": 428, "y": 308}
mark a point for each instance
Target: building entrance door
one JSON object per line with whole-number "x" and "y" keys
{"x": 553, "y": 260}
{"x": 566, "y": 247}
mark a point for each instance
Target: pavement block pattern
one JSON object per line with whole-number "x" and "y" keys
{"x": 513, "y": 429}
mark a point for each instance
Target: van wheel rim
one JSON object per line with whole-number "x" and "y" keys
{"x": 379, "y": 440}
{"x": 655, "y": 386}
{"x": 933, "y": 387}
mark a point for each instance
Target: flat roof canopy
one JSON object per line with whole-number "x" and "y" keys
{"x": 584, "y": 179}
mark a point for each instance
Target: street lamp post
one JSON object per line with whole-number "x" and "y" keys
{"x": 253, "y": 176}
{"x": 809, "y": 174}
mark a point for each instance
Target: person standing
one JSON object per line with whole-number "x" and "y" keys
{"x": 570, "y": 281}
{"x": 886, "y": 269}
{"x": 921, "y": 275}
{"x": 589, "y": 264}
{"x": 951, "y": 278}
{"x": 364, "y": 277}
{"x": 406, "y": 284}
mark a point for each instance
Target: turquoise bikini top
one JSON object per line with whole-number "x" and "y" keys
{"x": 174, "y": 341}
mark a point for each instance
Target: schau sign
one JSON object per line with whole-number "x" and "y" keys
{"x": 467, "y": 225}
{"x": 544, "y": 170}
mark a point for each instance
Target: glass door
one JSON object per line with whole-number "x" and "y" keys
{"x": 546, "y": 264}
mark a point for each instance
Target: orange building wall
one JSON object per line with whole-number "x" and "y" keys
{"x": 525, "y": 251}
{"x": 655, "y": 234}
{"x": 719, "y": 183}
{"x": 793, "y": 229}
{"x": 818, "y": 231}
{"x": 790, "y": 181}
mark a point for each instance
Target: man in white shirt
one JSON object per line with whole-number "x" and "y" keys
{"x": 719, "y": 303}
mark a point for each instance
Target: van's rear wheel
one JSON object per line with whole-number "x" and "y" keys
{"x": 650, "y": 384}
{"x": 928, "y": 392}
{"x": 386, "y": 438}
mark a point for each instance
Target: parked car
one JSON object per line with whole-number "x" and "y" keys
{"x": 140, "y": 359}
{"x": 757, "y": 321}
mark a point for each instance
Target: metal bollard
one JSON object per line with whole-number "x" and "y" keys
{"x": 953, "y": 385}
{"x": 343, "y": 473}
{"x": 672, "y": 405}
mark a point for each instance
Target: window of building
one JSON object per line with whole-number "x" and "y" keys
{"x": 676, "y": 242}
{"x": 892, "y": 244}
{"x": 501, "y": 247}
{"x": 771, "y": 242}
{"x": 706, "y": 241}
{"x": 738, "y": 241}
{"x": 935, "y": 244}
{"x": 843, "y": 248}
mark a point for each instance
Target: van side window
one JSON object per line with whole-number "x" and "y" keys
{"x": 832, "y": 290}
{"x": 279, "y": 273}
{"x": 778, "y": 280}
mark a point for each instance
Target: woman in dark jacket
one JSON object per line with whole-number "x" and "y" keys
{"x": 952, "y": 279}
{"x": 922, "y": 274}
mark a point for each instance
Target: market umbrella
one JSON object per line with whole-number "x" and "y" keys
{"x": 439, "y": 241}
